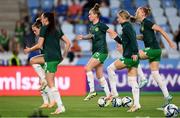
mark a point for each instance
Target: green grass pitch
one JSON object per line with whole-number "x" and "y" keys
{"x": 76, "y": 107}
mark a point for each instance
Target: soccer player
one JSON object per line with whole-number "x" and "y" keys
{"x": 152, "y": 50}
{"x": 49, "y": 39}
{"x": 129, "y": 60}
{"x": 99, "y": 50}
{"x": 39, "y": 70}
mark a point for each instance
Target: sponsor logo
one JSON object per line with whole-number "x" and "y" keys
{"x": 23, "y": 81}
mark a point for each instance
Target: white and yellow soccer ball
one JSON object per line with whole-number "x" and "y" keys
{"x": 116, "y": 102}
{"x": 127, "y": 101}
{"x": 101, "y": 101}
{"x": 171, "y": 110}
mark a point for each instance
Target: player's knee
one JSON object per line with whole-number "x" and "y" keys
{"x": 87, "y": 68}
{"x": 32, "y": 61}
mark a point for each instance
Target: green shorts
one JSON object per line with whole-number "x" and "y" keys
{"x": 51, "y": 67}
{"x": 100, "y": 56}
{"x": 129, "y": 62}
{"x": 153, "y": 54}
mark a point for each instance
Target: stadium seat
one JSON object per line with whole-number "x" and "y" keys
{"x": 115, "y": 3}
{"x": 154, "y": 3}
{"x": 85, "y": 45}
{"x": 80, "y": 29}
{"x": 71, "y": 36}
{"x": 177, "y": 2}
{"x": 157, "y": 12}
{"x": 33, "y": 3}
{"x": 119, "y": 29}
{"x": 67, "y": 28}
{"x": 108, "y": 38}
{"x": 171, "y": 11}
{"x": 141, "y": 3}
{"x": 111, "y": 46}
{"x": 83, "y": 60}
{"x": 167, "y": 3}
{"x": 160, "y": 20}
{"x": 174, "y": 23}
{"x": 47, "y": 5}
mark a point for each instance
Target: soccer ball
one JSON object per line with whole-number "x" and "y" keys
{"x": 116, "y": 102}
{"x": 171, "y": 110}
{"x": 101, "y": 101}
{"x": 127, "y": 101}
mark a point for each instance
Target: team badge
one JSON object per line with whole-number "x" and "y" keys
{"x": 96, "y": 29}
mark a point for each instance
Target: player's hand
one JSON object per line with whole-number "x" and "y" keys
{"x": 134, "y": 57}
{"x": 27, "y": 50}
{"x": 79, "y": 37}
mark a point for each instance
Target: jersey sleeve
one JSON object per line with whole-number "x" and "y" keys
{"x": 60, "y": 33}
{"x": 104, "y": 27}
{"x": 42, "y": 31}
{"x": 149, "y": 24}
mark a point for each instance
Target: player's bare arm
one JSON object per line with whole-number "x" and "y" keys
{"x": 164, "y": 34}
{"x": 84, "y": 37}
{"x": 35, "y": 47}
{"x": 68, "y": 44}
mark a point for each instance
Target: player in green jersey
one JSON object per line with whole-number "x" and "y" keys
{"x": 99, "y": 51}
{"x": 129, "y": 60}
{"x": 49, "y": 39}
{"x": 152, "y": 49}
{"x": 44, "y": 89}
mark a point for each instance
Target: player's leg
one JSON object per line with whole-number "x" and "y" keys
{"x": 45, "y": 97}
{"x": 50, "y": 69}
{"x": 35, "y": 62}
{"x": 132, "y": 80}
{"x": 157, "y": 77}
{"x": 154, "y": 59}
{"x": 118, "y": 64}
{"x": 143, "y": 81}
{"x": 102, "y": 80}
{"x": 90, "y": 77}
{"x": 40, "y": 72}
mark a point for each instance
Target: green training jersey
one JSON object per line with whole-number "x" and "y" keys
{"x": 51, "y": 46}
{"x": 149, "y": 37}
{"x": 98, "y": 31}
{"x": 129, "y": 41}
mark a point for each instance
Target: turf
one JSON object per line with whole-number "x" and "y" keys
{"x": 76, "y": 107}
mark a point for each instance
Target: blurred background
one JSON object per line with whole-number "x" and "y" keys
{"x": 16, "y": 17}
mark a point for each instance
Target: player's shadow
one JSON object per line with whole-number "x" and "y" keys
{"x": 37, "y": 113}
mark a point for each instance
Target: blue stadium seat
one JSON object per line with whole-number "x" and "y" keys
{"x": 47, "y": 5}
{"x": 33, "y": 3}
{"x": 140, "y": 44}
{"x": 167, "y": 3}
{"x": 33, "y": 12}
{"x": 112, "y": 46}
{"x": 83, "y": 60}
{"x": 178, "y": 4}
{"x": 141, "y": 3}
{"x": 114, "y": 12}
{"x": 80, "y": 29}
{"x": 137, "y": 28}
{"x": 61, "y": 10}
